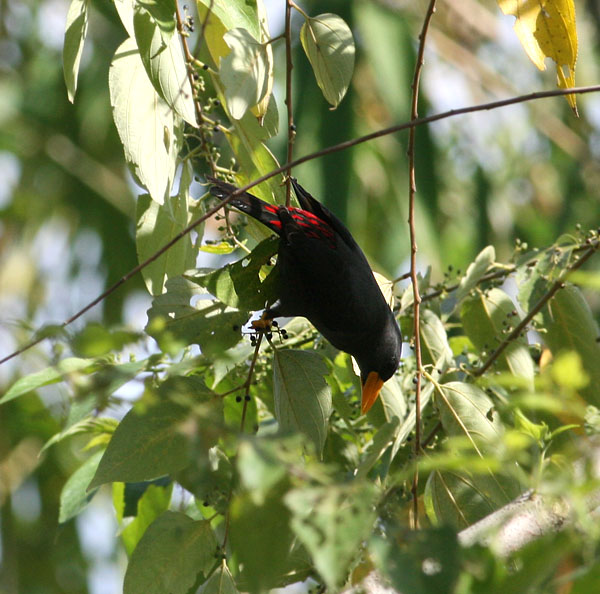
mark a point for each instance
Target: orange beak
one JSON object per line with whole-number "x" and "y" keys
{"x": 370, "y": 391}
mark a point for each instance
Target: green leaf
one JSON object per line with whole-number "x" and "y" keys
{"x": 75, "y": 495}
{"x": 170, "y": 555}
{"x": 571, "y": 326}
{"x": 220, "y": 582}
{"x": 475, "y": 272}
{"x": 328, "y": 44}
{"x": 332, "y": 522}
{"x": 75, "y": 32}
{"x": 427, "y": 562}
{"x": 262, "y": 540}
{"x": 95, "y": 340}
{"x": 485, "y": 317}
{"x": 146, "y": 444}
{"x": 147, "y": 127}
{"x": 163, "y": 13}
{"x": 164, "y": 62}
{"x": 379, "y": 444}
{"x": 435, "y": 347}
{"x": 174, "y": 323}
{"x": 462, "y": 498}
{"x": 240, "y": 284}
{"x": 156, "y": 225}
{"x": 302, "y": 395}
{"x": 244, "y": 72}
{"x": 224, "y": 16}
{"x": 47, "y": 376}
{"x": 152, "y": 504}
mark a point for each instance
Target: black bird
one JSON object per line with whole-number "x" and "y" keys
{"x": 325, "y": 277}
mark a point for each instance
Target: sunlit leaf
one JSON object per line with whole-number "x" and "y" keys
{"x": 244, "y": 72}
{"x": 147, "y": 126}
{"x": 164, "y": 63}
{"x": 547, "y": 30}
{"x": 475, "y": 271}
{"x": 156, "y": 225}
{"x": 75, "y": 32}
{"x": 328, "y": 43}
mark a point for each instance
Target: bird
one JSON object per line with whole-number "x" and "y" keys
{"x": 325, "y": 277}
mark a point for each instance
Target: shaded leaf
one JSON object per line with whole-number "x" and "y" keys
{"x": 170, "y": 555}
{"x": 428, "y": 560}
{"x": 220, "y": 582}
{"x": 328, "y": 43}
{"x": 75, "y": 32}
{"x": 146, "y": 444}
{"x": 262, "y": 539}
{"x": 302, "y": 395}
{"x": 154, "y": 501}
{"x": 174, "y": 323}
{"x": 75, "y": 496}
{"x": 147, "y": 127}
{"x": 434, "y": 340}
{"x": 240, "y": 284}
{"x": 163, "y": 13}
{"x": 331, "y": 522}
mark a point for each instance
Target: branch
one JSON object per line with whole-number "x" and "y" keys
{"x": 412, "y": 190}
{"x": 558, "y": 284}
{"x": 326, "y": 151}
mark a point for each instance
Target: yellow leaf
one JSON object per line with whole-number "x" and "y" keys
{"x": 546, "y": 29}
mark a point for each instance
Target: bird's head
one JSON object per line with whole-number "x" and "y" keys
{"x": 379, "y": 365}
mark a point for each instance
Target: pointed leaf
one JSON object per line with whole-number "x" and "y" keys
{"x": 165, "y": 64}
{"x": 170, "y": 555}
{"x": 75, "y": 495}
{"x": 475, "y": 271}
{"x": 302, "y": 395}
{"x": 571, "y": 326}
{"x": 436, "y": 349}
{"x": 145, "y": 445}
{"x": 156, "y": 225}
{"x": 328, "y": 43}
{"x": 75, "y": 32}
{"x": 220, "y": 582}
{"x": 50, "y": 375}
{"x": 146, "y": 124}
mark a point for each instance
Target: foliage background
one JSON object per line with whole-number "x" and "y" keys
{"x": 530, "y": 172}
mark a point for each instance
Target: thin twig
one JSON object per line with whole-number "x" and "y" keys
{"x": 412, "y": 190}
{"x": 315, "y": 155}
{"x": 556, "y": 286}
{"x": 288, "y": 99}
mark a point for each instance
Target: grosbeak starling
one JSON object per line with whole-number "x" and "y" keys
{"x": 325, "y": 277}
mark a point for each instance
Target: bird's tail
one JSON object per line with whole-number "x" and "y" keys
{"x": 258, "y": 209}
